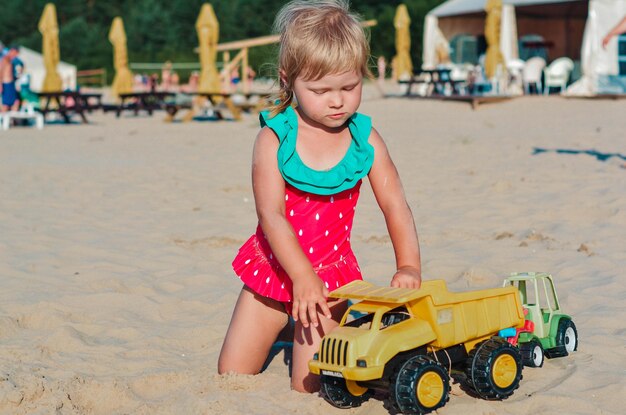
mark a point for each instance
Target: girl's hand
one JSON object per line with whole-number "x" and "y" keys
{"x": 407, "y": 277}
{"x": 308, "y": 294}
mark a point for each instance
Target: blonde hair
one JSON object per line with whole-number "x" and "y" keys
{"x": 317, "y": 38}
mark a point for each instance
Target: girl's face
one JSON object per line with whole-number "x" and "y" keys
{"x": 331, "y": 100}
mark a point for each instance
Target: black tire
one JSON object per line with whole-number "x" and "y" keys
{"x": 566, "y": 339}
{"x": 494, "y": 369}
{"x": 567, "y": 336}
{"x": 421, "y": 385}
{"x": 532, "y": 353}
{"x": 336, "y": 393}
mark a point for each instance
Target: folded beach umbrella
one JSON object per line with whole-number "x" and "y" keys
{"x": 49, "y": 29}
{"x": 123, "y": 80}
{"x": 402, "y": 61}
{"x": 493, "y": 57}
{"x": 207, "y": 28}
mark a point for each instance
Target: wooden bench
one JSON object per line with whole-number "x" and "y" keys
{"x": 195, "y": 105}
{"x": 148, "y": 101}
{"x": 473, "y": 100}
{"x": 437, "y": 81}
{"x": 172, "y": 108}
{"x": 67, "y": 103}
{"x": 476, "y": 100}
{"x": 253, "y": 101}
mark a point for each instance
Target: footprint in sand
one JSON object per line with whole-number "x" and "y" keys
{"x": 553, "y": 377}
{"x": 236, "y": 189}
{"x": 375, "y": 239}
{"x": 585, "y": 250}
{"x": 503, "y": 235}
{"x": 211, "y": 242}
{"x": 477, "y": 277}
{"x": 8, "y": 327}
{"x": 534, "y": 236}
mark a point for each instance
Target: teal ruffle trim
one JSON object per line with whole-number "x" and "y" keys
{"x": 353, "y": 167}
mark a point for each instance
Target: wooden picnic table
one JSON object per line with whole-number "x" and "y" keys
{"x": 148, "y": 101}
{"x": 67, "y": 103}
{"x": 436, "y": 80}
{"x": 218, "y": 101}
{"x": 476, "y": 100}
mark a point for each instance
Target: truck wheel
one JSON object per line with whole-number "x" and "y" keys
{"x": 420, "y": 386}
{"x": 532, "y": 353}
{"x": 337, "y": 394}
{"x": 567, "y": 336}
{"x": 494, "y": 369}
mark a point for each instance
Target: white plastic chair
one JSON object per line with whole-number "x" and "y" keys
{"x": 557, "y": 74}
{"x": 531, "y": 74}
{"x": 515, "y": 68}
{"x": 27, "y": 112}
{"x": 515, "y": 65}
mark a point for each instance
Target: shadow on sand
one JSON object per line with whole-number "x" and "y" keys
{"x": 598, "y": 155}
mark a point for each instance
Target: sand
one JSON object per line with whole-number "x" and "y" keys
{"x": 116, "y": 240}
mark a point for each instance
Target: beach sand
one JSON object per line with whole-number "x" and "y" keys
{"x": 116, "y": 240}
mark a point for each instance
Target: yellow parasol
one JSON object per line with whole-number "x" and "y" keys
{"x": 50, "y": 47}
{"x": 208, "y": 32}
{"x": 123, "y": 80}
{"x": 403, "y": 67}
{"x": 493, "y": 57}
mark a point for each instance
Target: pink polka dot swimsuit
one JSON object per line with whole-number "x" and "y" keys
{"x": 322, "y": 225}
{"x": 320, "y": 207}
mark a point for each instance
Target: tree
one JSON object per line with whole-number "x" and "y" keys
{"x": 160, "y": 30}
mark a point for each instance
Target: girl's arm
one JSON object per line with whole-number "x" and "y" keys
{"x": 389, "y": 194}
{"x": 268, "y": 185}
{"x": 618, "y": 29}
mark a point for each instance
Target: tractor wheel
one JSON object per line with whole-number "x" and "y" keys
{"x": 420, "y": 386}
{"x": 336, "y": 392}
{"x": 494, "y": 369}
{"x": 567, "y": 336}
{"x": 532, "y": 353}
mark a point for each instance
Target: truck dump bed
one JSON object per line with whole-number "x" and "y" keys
{"x": 454, "y": 317}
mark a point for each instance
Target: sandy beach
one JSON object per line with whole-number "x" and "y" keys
{"x": 116, "y": 240}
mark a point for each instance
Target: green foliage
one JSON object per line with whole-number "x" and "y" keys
{"x": 159, "y": 30}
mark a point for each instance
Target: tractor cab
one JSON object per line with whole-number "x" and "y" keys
{"x": 538, "y": 297}
{"x": 554, "y": 331}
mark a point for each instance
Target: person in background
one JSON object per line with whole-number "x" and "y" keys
{"x": 166, "y": 76}
{"x": 192, "y": 83}
{"x": 28, "y": 98}
{"x": 17, "y": 63}
{"x": 8, "y": 64}
{"x": 174, "y": 82}
{"x": 153, "y": 82}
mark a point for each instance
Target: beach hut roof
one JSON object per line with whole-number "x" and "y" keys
{"x": 463, "y": 7}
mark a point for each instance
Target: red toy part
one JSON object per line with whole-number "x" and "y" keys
{"x": 529, "y": 327}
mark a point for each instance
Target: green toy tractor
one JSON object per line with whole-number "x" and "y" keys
{"x": 549, "y": 332}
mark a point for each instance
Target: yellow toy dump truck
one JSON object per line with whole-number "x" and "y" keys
{"x": 404, "y": 343}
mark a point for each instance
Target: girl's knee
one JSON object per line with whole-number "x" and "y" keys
{"x": 231, "y": 364}
{"x": 224, "y": 364}
{"x": 309, "y": 384}
{"x": 222, "y": 368}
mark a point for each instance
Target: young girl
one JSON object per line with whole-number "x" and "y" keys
{"x": 308, "y": 163}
